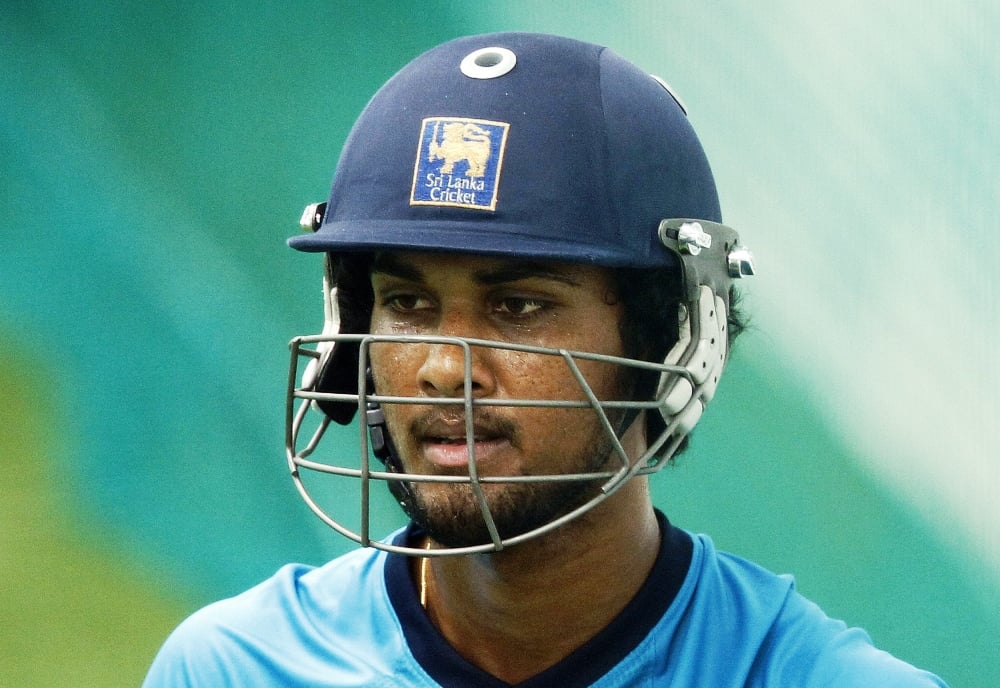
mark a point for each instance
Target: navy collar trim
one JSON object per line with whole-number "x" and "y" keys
{"x": 581, "y": 668}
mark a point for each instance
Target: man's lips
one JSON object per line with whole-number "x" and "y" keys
{"x": 448, "y": 453}
{"x": 443, "y": 442}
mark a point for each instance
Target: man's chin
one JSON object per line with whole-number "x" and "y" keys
{"x": 451, "y": 515}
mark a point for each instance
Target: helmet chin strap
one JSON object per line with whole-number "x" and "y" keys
{"x": 378, "y": 433}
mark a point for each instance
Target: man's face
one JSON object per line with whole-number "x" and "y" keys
{"x": 555, "y": 305}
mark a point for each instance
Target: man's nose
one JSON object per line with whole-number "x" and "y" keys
{"x": 445, "y": 367}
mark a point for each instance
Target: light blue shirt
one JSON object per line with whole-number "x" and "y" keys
{"x": 347, "y": 623}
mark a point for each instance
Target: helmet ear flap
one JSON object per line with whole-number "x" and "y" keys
{"x": 710, "y": 258}
{"x": 701, "y": 350}
{"x": 673, "y": 390}
{"x": 336, "y": 369}
{"x": 338, "y": 374}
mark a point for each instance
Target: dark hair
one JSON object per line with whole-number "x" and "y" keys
{"x": 351, "y": 275}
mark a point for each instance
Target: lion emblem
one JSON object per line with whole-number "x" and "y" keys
{"x": 457, "y": 141}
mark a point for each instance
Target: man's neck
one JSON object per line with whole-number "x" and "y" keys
{"x": 518, "y": 612}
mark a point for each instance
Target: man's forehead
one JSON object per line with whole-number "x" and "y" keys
{"x": 482, "y": 269}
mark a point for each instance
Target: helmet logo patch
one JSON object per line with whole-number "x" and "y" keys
{"x": 458, "y": 163}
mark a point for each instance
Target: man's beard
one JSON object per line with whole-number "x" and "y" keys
{"x": 451, "y": 515}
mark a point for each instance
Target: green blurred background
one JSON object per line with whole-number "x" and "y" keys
{"x": 155, "y": 156}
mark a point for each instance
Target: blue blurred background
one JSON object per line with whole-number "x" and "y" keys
{"x": 155, "y": 156}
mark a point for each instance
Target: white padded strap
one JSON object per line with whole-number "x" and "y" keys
{"x": 702, "y": 353}
{"x": 331, "y": 326}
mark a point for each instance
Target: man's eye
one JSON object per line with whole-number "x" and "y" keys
{"x": 405, "y": 302}
{"x": 520, "y": 306}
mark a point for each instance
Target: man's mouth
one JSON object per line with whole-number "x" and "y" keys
{"x": 443, "y": 442}
{"x": 461, "y": 438}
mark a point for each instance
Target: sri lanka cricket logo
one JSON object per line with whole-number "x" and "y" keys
{"x": 458, "y": 163}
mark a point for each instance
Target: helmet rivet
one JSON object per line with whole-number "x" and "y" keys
{"x": 488, "y": 63}
{"x": 692, "y": 238}
{"x": 312, "y": 217}
{"x": 740, "y": 262}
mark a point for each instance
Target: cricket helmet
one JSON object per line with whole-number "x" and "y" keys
{"x": 526, "y": 145}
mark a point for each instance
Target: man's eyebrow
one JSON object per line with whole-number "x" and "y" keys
{"x": 503, "y": 272}
{"x": 515, "y": 271}
{"x": 390, "y": 264}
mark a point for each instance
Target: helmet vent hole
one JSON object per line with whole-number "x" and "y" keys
{"x": 489, "y": 59}
{"x": 488, "y": 63}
